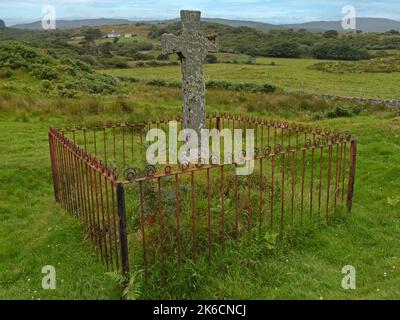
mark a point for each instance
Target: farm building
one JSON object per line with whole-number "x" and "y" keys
{"x": 113, "y": 34}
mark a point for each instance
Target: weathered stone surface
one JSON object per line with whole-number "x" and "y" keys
{"x": 192, "y": 47}
{"x": 370, "y": 101}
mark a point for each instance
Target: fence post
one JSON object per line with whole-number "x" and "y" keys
{"x": 122, "y": 227}
{"x": 53, "y": 167}
{"x": 352, "y": 174}
{"x": 218, "y": 122}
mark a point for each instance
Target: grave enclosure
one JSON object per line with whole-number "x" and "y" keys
{"x": 165, "y": 214}
{"x": 152, "y": 218}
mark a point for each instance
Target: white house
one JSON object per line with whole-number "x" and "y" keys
{"x": 130, "y": 35}
{"x": 113, "y": 34}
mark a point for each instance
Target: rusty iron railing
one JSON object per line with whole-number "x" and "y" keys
{"x": 169, "y": 213}
{"x": 85, "y": 187}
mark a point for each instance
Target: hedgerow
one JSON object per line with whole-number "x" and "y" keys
{"x": 377, "y": 65}
{"x": 223, "y": 85}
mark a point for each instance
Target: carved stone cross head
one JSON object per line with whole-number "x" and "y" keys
{"x": 191, "y": 44}
{"x": 190, "y": 21}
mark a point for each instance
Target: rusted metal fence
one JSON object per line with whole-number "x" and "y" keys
{"x": 170, "y": 213}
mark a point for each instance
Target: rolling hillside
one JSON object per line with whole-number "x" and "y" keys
{"x": 73, "y": 24}
{"x": 364, "y": 24}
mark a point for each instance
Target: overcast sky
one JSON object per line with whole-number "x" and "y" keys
{"x": 274, "y": 11}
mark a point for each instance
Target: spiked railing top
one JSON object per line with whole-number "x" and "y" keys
{"x": 88, "y": 158}
{"x": 321, "y": 137}
{"x": 294, "y": 127}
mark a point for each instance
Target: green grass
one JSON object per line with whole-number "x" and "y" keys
{"x": 313, "y": 269}
{"x": 289, "y": 74}
{"x": 35, "y": 232}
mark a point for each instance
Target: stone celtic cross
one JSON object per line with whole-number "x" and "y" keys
{"x": 192, "y": 47}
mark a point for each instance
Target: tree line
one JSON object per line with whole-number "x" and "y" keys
{"x": 289, "y": 43}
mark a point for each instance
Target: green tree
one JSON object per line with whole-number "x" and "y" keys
{"x": 2, "y": 24}
{"x": 331, "y": 34}
{"x": 393, "y": 32}
{"x": 105, "y": 49}
{"x": 340, "y": 51}
{"x": 91, "y": 34}
{"x": 284, "y": 50}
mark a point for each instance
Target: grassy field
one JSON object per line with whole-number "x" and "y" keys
{"x": 35, "y": 232}
{"x": 303, "y": 264}
{"x": 289, "y": 74}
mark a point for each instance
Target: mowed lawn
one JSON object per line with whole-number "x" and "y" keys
{"x": 289, "y": 74}
{"x": 35, "y": 232}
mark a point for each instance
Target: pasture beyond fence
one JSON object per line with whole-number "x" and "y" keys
{"x": 152, "y": 218}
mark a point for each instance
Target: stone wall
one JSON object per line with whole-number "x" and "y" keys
{"x": 376, "y": 102}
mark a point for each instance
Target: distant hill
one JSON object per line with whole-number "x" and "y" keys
{"x": 73, "y": 24}
{"x": 239, "y": 23}
{"x": 364, "y": 24}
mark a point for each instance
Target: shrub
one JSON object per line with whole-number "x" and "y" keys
{"x": 16, "y": 55}
{"x": 100, "y": 87}
{"x": 224, "y": 85}
{"x": 339, "y": 112}
{"x": 357, "y": 110}
{"x": 163, "y": 57}
{"x": 284, "y": 50}
{"x": 267, "y": 88}
{"x": 157, "y": 83}
{"x": 174, "y": 84}
{"x": 88, "y": 59}
{"x": 156, "y": 63}
{"x": 331, "y": 34}
{"x": 72, "y": 85}
{"x": 381, "y": 65}
{"x": 44, "y": 72}
{"x": 46, "y": 85}
{"x": 141, "y": 56}
{"x": 248, "y": 60}
{"x": 129, "y": 79}
{"x": 339, "y": 50}
{"x": 82, "y": 66}
{"x": 248, "y": 87}
{"x": 6, "y": 73}
{"x": 115, "y": 62}
{"x": 153, "y": 63}
{"x": 210, "y": 58}
{"x": 65, "y": 93}
{"x": 142, "y": 46}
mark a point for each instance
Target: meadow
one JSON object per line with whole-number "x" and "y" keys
{"x": 292, "y": 75}
{"x": 302, "y": 265}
